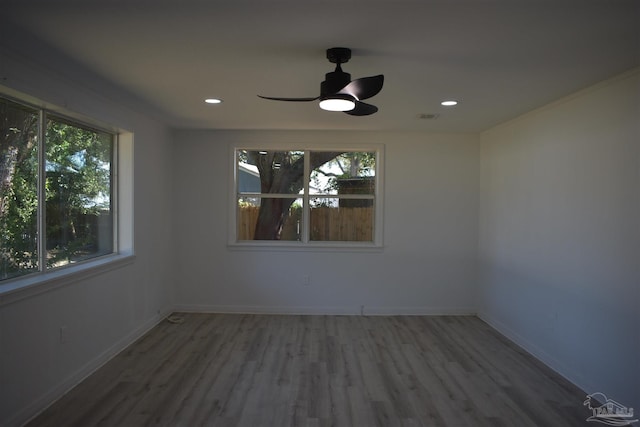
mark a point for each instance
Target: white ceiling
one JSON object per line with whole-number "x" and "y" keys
{"x": 500, "y": 58}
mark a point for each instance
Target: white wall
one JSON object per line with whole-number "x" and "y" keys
{"x": 430, "y": 233}
{"x": 102, "y": 313}
{"x": 560, "y": 235}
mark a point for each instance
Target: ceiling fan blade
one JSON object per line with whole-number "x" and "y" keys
{"x": 290, "y": 99}
{"x": 362, "y": 109}
{"x": 365, "y": 87}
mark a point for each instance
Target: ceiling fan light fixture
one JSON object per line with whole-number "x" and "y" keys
{"x": 338, "y": 92}
{"x": 338, "y": 102}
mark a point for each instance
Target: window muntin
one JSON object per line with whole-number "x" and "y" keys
{"x": 337, "y": 196}
{"x": 66, "y": 216}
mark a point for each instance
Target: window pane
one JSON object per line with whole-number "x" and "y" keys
{"x": 267, "y": 218}
{"x": 79, "y": 220}
{"x": 275, "y": 172}
{"x": 334, "y": 219}
{"x": 342, "y": 173}
{"x": 18, "y": 189}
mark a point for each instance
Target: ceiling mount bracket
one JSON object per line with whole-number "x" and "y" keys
{"x": 339, "y": 55}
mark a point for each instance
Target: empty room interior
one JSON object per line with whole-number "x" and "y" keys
{"x": 413, "y": 213}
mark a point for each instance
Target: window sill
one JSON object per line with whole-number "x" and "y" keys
{"x": 304, "y": 247}
{"x": 38, "y": 283}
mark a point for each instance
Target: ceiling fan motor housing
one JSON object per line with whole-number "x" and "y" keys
{"x": 334, "y": 82}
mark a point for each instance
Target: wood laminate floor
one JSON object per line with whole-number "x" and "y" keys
{"x": 282, "y": 370}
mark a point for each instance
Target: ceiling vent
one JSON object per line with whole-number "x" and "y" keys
{"x": 425, "y": 116}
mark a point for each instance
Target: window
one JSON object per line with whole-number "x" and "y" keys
{"x": 307, "y": 197}
{"x": 56, "y": 190}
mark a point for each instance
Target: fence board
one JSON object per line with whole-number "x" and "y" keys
{"x": 342, "y": 224}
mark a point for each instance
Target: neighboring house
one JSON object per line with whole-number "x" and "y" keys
{"x": 248, "y": 178}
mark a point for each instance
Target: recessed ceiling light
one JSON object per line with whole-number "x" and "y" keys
{"x": 213, "y": 101}
{"x": 449, "y": 103}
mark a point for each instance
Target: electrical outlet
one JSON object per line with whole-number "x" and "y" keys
{"x": 306, "y": 280}
{"x": 63, "y": 335}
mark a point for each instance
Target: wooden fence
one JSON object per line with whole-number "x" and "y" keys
{"x": 353, "y": 224}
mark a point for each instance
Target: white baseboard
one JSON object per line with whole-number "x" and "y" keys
{"x": 535, "y": 351}
{"x": 345, "y": 310}
{"x": 419, "y": 311}
{"x": 260, "y": 309}
{"x": 50, "y": 397}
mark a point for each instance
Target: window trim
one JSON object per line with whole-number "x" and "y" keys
{"x": 290, "y": 245}
{"x": 44, "y": 279}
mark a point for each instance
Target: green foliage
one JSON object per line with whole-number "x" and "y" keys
{"x": 18, "y": 193}
{"x": 77, "y": 189}
{"x": 352, "y": 164}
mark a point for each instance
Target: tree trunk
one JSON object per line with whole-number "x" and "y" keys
{"x": 18, "y": 130}
{"x": 286, "y": 178}
{"x": 271, "y": 218}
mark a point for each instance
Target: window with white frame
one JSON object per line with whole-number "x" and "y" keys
{"x": 312, "y": 197}
{"x": 56, "y": 190}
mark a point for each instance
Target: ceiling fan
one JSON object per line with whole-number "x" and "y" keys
{"x": 338, "y": 92}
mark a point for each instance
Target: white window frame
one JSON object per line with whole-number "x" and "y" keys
{"x": 305, "y": 243}
{"x": 44, "y": 279}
